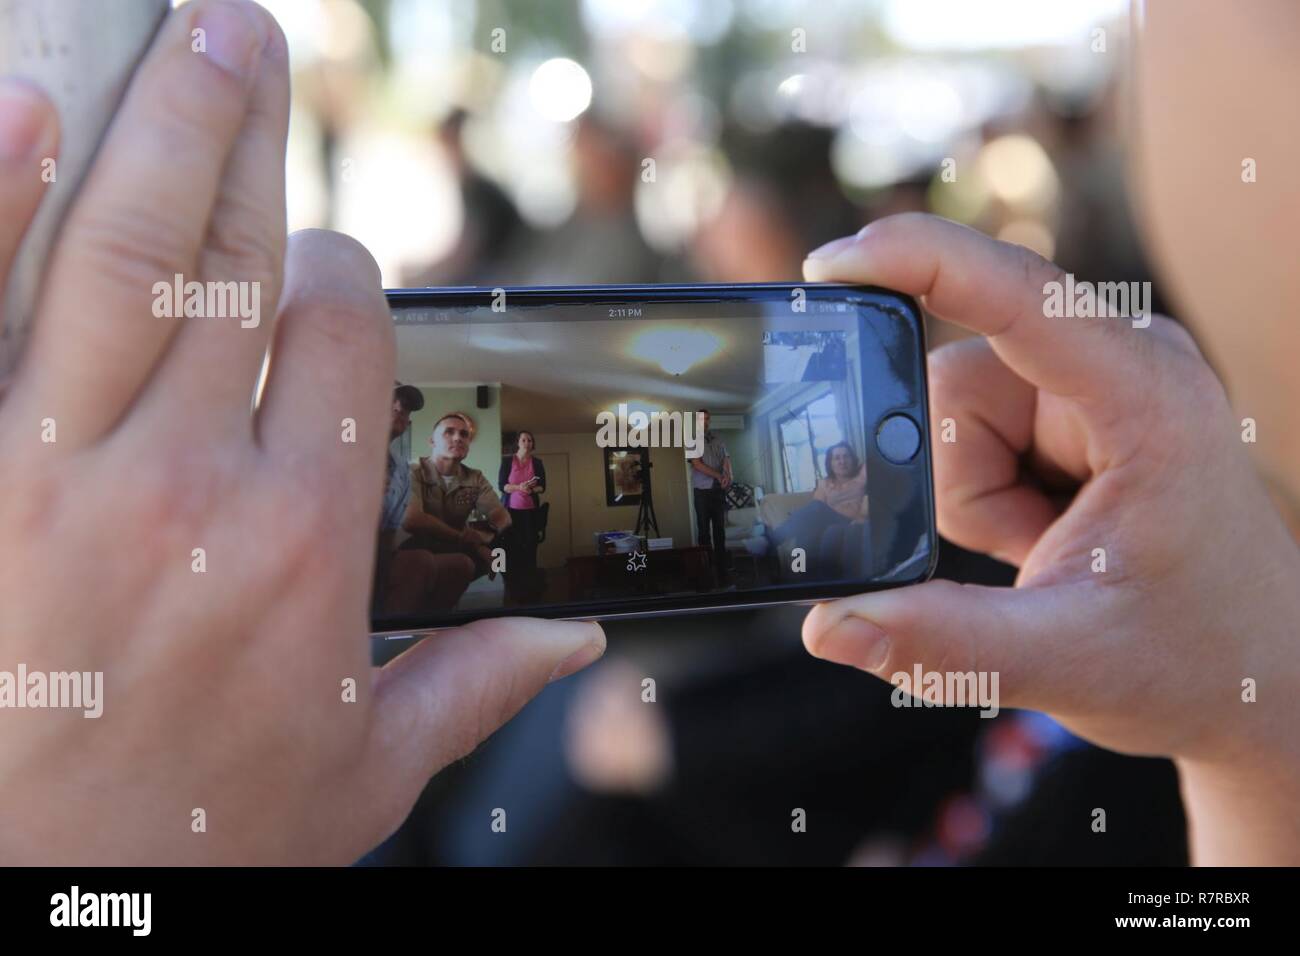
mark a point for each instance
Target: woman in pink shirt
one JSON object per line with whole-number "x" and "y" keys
{"x": 522, "y": 480}
{"x": 832, "y": 527}
{"x": 844, "y": 489}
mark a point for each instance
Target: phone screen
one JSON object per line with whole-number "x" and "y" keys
{"x": 603, "y": 451}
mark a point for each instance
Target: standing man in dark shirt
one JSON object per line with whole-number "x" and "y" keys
{"x": 710, "y": 479}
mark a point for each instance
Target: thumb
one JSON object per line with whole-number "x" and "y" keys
{"x": 1035, "y": 639}
{"x": 442, "y": 698}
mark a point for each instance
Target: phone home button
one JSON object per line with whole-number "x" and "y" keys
{"x": 898, "y": 439}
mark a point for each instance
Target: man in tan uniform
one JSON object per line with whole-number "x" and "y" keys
{"x": 447, "y": 493}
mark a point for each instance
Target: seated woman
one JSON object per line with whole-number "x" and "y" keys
{"x": 831, "y": 528}
{"x": 844, "y": 489}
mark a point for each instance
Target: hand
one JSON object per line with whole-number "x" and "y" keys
{"x": 473, "y": 538}
{"x": 1199, "y": 591}
{"x": 225, "y": 686}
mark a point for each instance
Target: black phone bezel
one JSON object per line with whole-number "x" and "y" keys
{"x": 884, "y": 302}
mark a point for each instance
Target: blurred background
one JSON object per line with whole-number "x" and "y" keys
{"x": 596, "y": 141}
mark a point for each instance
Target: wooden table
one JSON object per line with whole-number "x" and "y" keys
{"x": 667, "y": 571}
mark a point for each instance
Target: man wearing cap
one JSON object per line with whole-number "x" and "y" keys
{"x": 411, "y": 581}
{"x": 397, "y": 491}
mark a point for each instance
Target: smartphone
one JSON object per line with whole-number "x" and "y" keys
{"x": 668, "y": 449}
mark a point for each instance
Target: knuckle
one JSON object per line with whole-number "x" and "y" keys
{"x": 133, "y": 248}
{"x": 168, "y": 507}
{"x": 1186, "y": 378}
{"x": 343, "y": 324}
{"x": 1037, "y": 270}
{"x": 185, "y": 134}
{"x": 959, "y": 378}
{"x": 948, "y": 366}
{"x": 174, "y": 492}
{"x": 267, "y": 25}
{"x": 905, "y": 221}
{"x": 240, "y": 246}
{"x": 1175, "y": 334}
{"x": 296, "y": 521}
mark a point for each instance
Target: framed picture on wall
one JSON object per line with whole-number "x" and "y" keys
{"x": 623, "y": 470}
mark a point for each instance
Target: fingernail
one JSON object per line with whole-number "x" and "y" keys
{"x": 22, "y": 119}
{"x": 233, "y": 36}
{"x": 817, "y": 267}
{"x": 833, "y": 248}
{"x": 817, "y": 270}
{"x": 588, "y": 655}
{"x": 855, "y": 642}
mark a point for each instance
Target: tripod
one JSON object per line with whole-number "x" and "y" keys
{"x": 645, "y": 516}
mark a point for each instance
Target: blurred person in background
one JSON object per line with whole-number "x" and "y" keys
{"x": 492, "y": 231}
{"x": 782, "y": 201}
{"x": 601, "y": 242}
{"x": 336, "y": 86}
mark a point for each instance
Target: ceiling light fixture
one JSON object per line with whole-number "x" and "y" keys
{"x": 675, "y": 350}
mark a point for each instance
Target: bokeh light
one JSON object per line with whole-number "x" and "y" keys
{"x": 560, "y": 89}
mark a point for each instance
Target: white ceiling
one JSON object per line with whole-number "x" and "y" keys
{"x": 556, "y": 376}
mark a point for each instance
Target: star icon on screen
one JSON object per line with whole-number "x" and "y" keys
{"x": 636, "y": 562}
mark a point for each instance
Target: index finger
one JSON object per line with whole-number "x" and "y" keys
{"x": 1000, "y": 290}
{"x": 141, "y": 218}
